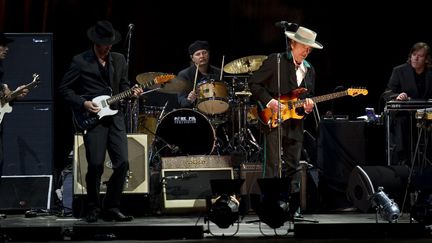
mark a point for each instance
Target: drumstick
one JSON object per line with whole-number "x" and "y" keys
{"x": 196, "y": 77}
{"x": 223, "y": 60}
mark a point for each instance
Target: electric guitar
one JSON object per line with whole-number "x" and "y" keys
{"x": 292, "y": 102}
{"x": 85, "y": 120}
{"x": 4, "y": 101}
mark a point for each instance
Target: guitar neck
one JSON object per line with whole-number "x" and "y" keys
{"x": 15, "y": 93}
{"x": 321, "y": 98}
{"x": 128, "y": 93}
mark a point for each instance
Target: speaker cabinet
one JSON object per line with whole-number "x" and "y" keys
{"x": 365, "y": 180}
{"x": 28, "y": 139}
{"x": 138, "y": 176}
{"x": 186, "y": 180}
{"x": 30, "y": 53}
{"x": 25, "y": 192}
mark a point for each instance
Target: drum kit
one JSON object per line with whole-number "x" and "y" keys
{"x": 219, "y": 123}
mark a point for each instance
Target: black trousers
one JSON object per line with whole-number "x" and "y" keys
{"x": 106, "y": 136}
{"x": 291, "y": 151}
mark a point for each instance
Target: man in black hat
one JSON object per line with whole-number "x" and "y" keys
{"x": 93, "y": 73}
{"x": 199, "y": 53}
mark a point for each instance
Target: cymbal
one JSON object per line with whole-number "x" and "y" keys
{"x": 245, "y": 64}
{"x": 165, "y": 83}
{"x": 143, "y": 78}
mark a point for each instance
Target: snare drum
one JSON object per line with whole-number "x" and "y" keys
{"x": 212, "y": 97}
{"x": 185, "y": 132}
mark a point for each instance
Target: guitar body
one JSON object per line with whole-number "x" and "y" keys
{"x": 86, "y": 120}
{"x": 6, "y": 108}
{"x": 270, "y": 118}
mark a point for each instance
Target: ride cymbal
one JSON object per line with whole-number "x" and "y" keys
{"x": 245, "y": 64}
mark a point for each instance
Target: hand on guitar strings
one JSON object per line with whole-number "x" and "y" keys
{"x": 274, "y": 105}
{"x": 22, "y": 91}
{"x": 90, "y": 106}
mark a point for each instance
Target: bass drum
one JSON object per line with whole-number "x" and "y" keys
{"x": 185, "y": 132}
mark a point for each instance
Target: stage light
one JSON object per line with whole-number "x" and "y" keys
{"x": 272, "y": 205}
{"x": 224, "y": 212}
{"x": 224, "y": 207}
{"x": 386, "y": 207}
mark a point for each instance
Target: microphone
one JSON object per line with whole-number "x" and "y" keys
{"x": 131, "y": 26}
{"x": 285, "y": 24}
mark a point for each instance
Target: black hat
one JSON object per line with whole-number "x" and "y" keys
{"x": 4, "y": 40}
{"x": 198, "y": 45}
{"x": 103, "y": 33}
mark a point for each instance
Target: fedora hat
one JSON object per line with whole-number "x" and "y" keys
{"x": 103, "y": 33}
{"x": 4, "y": 40}
{"x": 304, "y": 36}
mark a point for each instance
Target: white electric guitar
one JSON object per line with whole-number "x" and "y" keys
{"x": 4, "y": 101}
{"x": 85, "y": 120}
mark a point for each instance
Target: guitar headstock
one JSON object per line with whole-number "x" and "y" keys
{"x": 163, "y": 78}
{"x": 355, "y": 92}
{"x": 36, "y": 80}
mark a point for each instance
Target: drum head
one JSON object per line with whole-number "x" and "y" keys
{"x": 187, "y": 132}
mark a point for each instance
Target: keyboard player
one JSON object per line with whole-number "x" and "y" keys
{"x": 409, "y": 81}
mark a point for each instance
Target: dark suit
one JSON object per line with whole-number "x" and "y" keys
{"x": 86, "y": 78}
{"x": 405, "y": 79}
{"x": 264, "y": 87}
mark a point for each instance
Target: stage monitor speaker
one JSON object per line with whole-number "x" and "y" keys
{"x": 30, "y": 53}
{"x": 364, "y": 181}
{"x": 137, "y": 180}
{"x": 25, "y": 192}
{"x": 186, "y": 180}
{"x": 28, "y": 139}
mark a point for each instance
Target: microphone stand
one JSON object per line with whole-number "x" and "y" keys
{"x": 279, "y": 120}
{"x": 133, "y": 119}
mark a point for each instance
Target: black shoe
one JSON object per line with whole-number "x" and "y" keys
{"x": 92, "y": 215}
{"x": 114, "y": 214}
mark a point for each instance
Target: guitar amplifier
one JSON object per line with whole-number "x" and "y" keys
{"x": 138, "y": 176}
{"x": 186, "y": 180}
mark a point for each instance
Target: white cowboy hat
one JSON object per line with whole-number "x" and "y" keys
{"x": 304, "y": 36}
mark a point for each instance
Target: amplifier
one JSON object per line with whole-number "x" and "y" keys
{"x": 196, "y": 161}
{"x": 186, "y": 180}
{"x": 137, "y": 179}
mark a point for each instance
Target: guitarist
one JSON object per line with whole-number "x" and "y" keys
{"x": 4, "y": 90}
{"x": 90, "y": 74}
{"x": 295, "y": 72}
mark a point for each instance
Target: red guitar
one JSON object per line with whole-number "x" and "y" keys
{"x": 292, "y": 102}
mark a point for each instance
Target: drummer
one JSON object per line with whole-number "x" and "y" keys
{"x": 199, "y": 53}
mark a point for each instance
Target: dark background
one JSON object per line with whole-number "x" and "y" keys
{"x": 362, "y": 42}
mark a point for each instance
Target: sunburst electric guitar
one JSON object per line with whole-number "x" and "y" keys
{"x": 4, "y": 101}
{"x": 85, "y": 120}
{"x": 292, "y": 102}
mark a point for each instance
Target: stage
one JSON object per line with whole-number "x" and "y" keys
{"x": 329, "y": 227}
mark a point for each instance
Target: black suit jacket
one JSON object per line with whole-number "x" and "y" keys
{"x": 83, "y": 80}
{"x": 264, "y": 85}
{"x": 402, "y": 79}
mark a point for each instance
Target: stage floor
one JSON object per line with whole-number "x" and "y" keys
{"x": 335, "y": 227}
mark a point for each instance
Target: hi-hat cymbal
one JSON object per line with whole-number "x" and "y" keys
{"x": 245, "y": 64}
{"x": 163, "y": 82}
